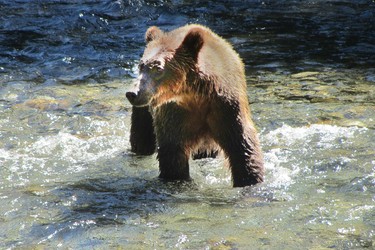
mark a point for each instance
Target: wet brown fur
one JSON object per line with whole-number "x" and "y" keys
{"x": 201, "y": 103}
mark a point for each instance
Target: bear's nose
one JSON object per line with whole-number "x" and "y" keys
{"x": 131, "y": 96}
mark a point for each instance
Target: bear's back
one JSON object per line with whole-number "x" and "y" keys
{"x": 217, "y": 57}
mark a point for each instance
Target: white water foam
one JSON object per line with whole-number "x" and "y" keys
{"x": 327, "y": 134}
{"x": 64, "y": 152}
{"x": 289, "y": 145}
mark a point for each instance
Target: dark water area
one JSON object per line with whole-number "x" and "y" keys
{"x": 69, "y": 181}
{"x": 79, "y": 41}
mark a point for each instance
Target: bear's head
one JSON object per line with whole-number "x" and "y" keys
{"x": 165, "y": 64}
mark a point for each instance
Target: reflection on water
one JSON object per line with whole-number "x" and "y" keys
{"x": 57, "y": 41}
{"x": 68, "y": 180}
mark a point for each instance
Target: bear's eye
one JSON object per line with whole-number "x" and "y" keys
{"x": 157, "y": 72}
{"x": 156, "y": 69}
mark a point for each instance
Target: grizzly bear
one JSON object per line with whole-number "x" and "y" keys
{"x": 192, "y": 99}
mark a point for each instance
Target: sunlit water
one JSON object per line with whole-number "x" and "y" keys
{"x": 68, "y": 179}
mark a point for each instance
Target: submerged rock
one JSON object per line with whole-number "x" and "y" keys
{"x": 343, "y": 98}
{"x": 44, "y": 103}
{"x": 304, "y": 75}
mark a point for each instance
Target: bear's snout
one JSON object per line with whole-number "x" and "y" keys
{"x": 139, "y": 99}
{"x": 131, "y": 96}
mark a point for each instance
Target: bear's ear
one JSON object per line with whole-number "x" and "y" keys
{"x": 192, "y": 43}
{"x": 152, "y": 33}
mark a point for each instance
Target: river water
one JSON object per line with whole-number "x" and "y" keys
{"x": 69, "y": 181}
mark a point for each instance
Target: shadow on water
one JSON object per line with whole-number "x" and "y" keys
{"x": 114, "y": 201}
{"x": 101, "y": 202}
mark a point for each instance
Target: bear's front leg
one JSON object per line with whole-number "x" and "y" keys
{"x": 173, "y": 163}
{"x": 142, "y": 136}
{"x": 234, "y": 131}
{"x": 171, "y": 135}
{"x": 245, "y": 158}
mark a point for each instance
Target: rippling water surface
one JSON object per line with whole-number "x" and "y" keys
{"x": 68, "y": 179}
